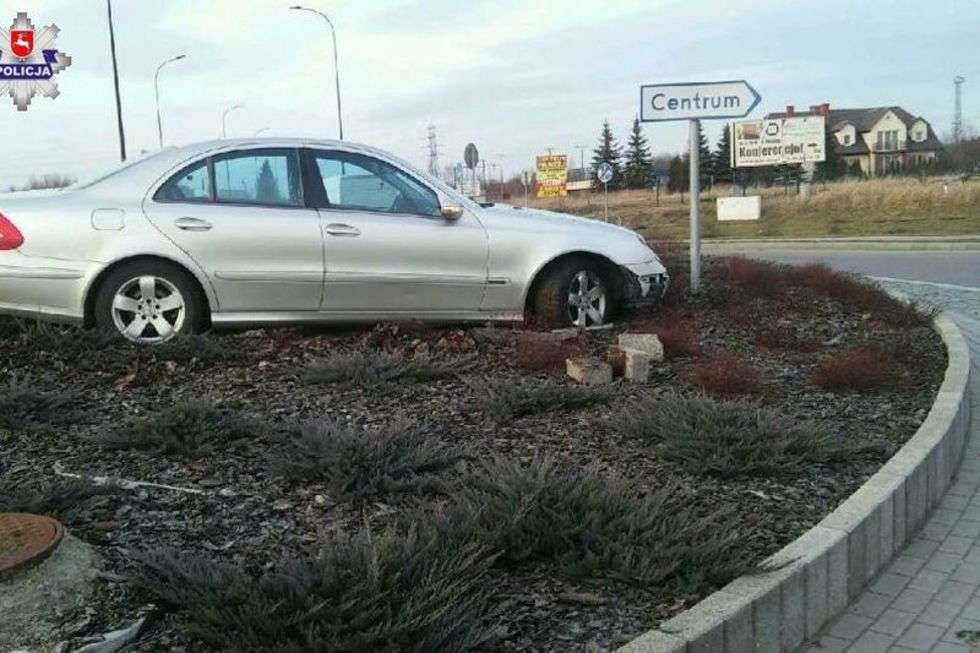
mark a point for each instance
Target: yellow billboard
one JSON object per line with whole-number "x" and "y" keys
{"x": 552, "y": 175}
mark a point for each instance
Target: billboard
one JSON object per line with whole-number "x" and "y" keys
{"x": 778, "y": 141}
{"x": 552, "y": 175}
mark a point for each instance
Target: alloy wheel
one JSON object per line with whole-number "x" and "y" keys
{"x": 586, "y": 300}
{"x": 148, "y": 310}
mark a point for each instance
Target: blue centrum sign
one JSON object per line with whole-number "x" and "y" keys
{"x": 697, "y": 100}
{"x": 29, "y": 61}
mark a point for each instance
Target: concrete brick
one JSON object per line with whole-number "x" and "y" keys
{"x": 765, "y": 623}
{"x": 648, "y": 343}
{"x": 792, "y": 618}
{"x": 870, "y": 605}
{"x": 637, "y": 366}
{"x": 906, "y": 565}
{"x": 938, "y": 614}
{"x": 956, "y": 544}
{"x": 828, "y": 644}
{"x": 886, "y": 532}
{"x": 872, "y": 543}
{"x": 916, "y": 492}
{"x": 837, "y": 578}
{"x": 871, "y": 642}
{"x": 816, "y": 584}
{"x": 857, "y": 550}
{"x": 911, "y": 600}
{"x": 900, "y": 525}
{"x": 920, "y": 637}
{"x": 928, "y": 580}
{"x": 889, "y": 583}
{"x": 955, "y": 593}
{"x": 655, "y": 641}
{"x": 893, "y": 622}
{"x": 738, "y": 630}
{"x": 850, "y": 626}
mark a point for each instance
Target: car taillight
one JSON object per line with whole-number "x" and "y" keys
{"x": 10, "y": 236}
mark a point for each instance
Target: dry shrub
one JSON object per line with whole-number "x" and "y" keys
{"x": 862, "y": 368}
{"x": 754, "y": 278}
{"x": 538, "y": 354}
{"x": 676, "y": 330}
{"x": 726, "y": 374}
{"x": 785, "y": 338}
{"x": 863, "y": 295}
{"x": 506, "y": 400}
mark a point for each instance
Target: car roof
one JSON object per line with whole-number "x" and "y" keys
{"x": 151, "y": 169}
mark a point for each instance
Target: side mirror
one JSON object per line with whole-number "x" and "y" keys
{"x": 452, "y": 211}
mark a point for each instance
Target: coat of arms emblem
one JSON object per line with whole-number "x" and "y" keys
{"x": 29, "y": 61}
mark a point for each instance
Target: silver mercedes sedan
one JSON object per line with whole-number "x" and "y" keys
{"x": 291, "y": 231}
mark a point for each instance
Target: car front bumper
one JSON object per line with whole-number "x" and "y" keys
{"x": 644, "y": 284}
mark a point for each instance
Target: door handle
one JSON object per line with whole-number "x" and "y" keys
{"x": 342, "y": 230}
{"x": 192, "y": 224}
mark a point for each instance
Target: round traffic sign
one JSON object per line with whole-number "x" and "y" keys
{"x": 471, "y": 156}
{"x": 604, "y": 173}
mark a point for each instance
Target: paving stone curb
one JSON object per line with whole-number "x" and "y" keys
{"x": 819, "y": 573}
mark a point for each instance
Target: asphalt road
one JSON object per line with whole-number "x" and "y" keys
{"x": 961, "y": 268}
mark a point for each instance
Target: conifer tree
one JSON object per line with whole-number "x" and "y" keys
{"x": 639, "y": 166}
{"x": 722, "y": 158}
{"x": 609, "y": 152}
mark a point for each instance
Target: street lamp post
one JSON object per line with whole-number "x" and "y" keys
{"x": 156, "y": 88}
{"x": 115, "y": 81}
{"x": 336, "y": 66}
{"x": 224, "y": 119}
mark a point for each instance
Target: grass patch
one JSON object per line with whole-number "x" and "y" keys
{"x": 585, "y": 524}
{"x": 23, "y": 407}
{"x": 374, "y": 369}
{"x": 386, "y": 592}
{"x": 731, "y": 439}
{"x": 188, "y": 430}
{"x": 725, "y": 374}
{"x": 863, "y": 369}
{"x": 357, "y": 462}
{"x": 506, "y": 400}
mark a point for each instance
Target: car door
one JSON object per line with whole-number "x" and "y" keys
{"x": 387, "y": 247}
{"x": 242, "y": 217}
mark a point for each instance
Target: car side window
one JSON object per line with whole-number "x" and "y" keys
{"x": 268, "y": 177}
{"x": 192, "y": 184}
{"x": 359, "y": 182}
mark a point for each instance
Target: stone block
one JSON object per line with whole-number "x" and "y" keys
{"x": 648, "y": 343}
{"x": 637, "y": 367}
{"x": 589, "y": 371}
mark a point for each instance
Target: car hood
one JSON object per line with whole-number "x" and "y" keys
{"x": 549, "y": 220}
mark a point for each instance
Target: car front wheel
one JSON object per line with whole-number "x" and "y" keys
{"x": 149, "y": 302}
{"x": 575, "y": 294}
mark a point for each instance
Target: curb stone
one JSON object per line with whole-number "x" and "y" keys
{"x": 820, "y": 572}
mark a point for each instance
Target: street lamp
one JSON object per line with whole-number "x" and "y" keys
{"x": 115, "y": 82}
{"x": 336, "y": 66}
{"x": 224, "y": 119}
{"x": 156, "y": 88}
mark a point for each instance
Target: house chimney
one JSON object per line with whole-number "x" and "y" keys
{"x": 790, "y": 111}
{"x": 821, "y": 109}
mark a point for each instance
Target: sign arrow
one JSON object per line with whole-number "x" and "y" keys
{"x": 697, "y": 100}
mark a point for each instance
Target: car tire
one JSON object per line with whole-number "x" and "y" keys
{"x": 149, "y": 302}
{"x": 560, "y": 300}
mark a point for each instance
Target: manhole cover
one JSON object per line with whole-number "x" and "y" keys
{"x": 26, "y": 540}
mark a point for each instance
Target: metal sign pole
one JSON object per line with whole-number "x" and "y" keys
{"x": 605, "y": 198}
{"x": 694, "y": 155}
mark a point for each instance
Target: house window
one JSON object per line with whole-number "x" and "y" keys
{"x": 887, "y": 140}
{"x": 847, "y": 139}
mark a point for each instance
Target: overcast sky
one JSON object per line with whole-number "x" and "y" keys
{"x": 513, "y": 77}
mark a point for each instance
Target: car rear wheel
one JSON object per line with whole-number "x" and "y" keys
{"x": 574, "y": 294}
{"x": 149, "y": 302}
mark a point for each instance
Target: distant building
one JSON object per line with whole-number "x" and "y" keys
{"x": 880, "y": 139}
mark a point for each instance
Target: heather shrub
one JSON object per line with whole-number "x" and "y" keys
{"x": 862, "y": 368}
{"x": 374, "y": 369}
{"x": 536, "y": 354}
{"x": 726, "y": 374}
{"x": 190, "y": 430}
{"x": 206, "y": 349}
{"x": 83, "y": 348}
{"x": 366, "y": 592}
{"x": 22, "y": 406}
{"x": 729, "y": 438}
{"x": 59, "y": 498}
{"x": 11, "y": 327}
{"x": 585, "y": 524}
{"x": 357, "y": 462}
{"x": 506, "y": 400}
